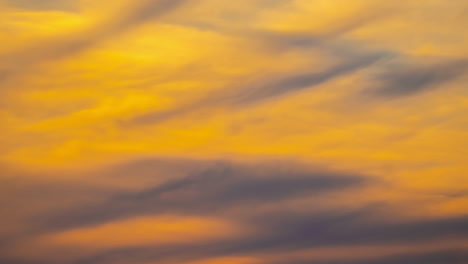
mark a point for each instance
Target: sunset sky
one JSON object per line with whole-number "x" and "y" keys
{"x": 234, "y": 132}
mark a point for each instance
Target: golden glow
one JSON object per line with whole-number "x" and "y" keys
{"x": 134, "y": 232}
{"x": 102, "y": 83}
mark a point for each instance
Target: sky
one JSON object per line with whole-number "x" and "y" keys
{"x": 233, "y": 132}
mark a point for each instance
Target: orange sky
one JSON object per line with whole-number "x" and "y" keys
{"x": 219, "y": 132}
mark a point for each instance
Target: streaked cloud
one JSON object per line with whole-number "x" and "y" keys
{"x": 223, "y": 209}
{"x": 65, "y": 5}
{"x": 69, "y": 44}
{"x": 219, "y": 132}
{"x": 403, "y": 80}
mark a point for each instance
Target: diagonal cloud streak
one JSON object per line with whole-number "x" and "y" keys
{"x": 213, "y": 189}
{"x": 250, "y": 95}
{"x": 67, "y": 45}
{"x": 407, "y": 81}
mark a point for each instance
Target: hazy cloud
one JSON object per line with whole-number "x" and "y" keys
{"x": 286, "y": 232}
{"x": 222, "y": 186}
{"x": 208, "y": 131}
{"x": 439, "y": 257}
{"x": 299, "y": 82}
{"x": 404, "y": 80}
{"x": 70, "y": 44}
{"x": 65, "y": 5}
{"x": 251, "y": 94}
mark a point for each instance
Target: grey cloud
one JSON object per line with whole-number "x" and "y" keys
{"x": 143, "y": 11}
{"x": 252, "y": 94}
{"x": 162, "y": 116}
{"x": 287, "y": 231}
{"x": 284, "y": 40}
{"x": 209, "y": 191}
{"x": 24, "y": 261}
{"x": 27, "y": 197}
{"x": 303, "y": 81}
{"x": 353, "y": 58}
{"x": 216, "y": 188}
{"x": 442, "y": 257}
{"x": 437, "y": 257}
{"x": 404, "y": 80}
{"x": 354, "y": 228}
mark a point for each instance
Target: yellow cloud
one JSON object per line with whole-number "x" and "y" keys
{"x": 160, "y": 230}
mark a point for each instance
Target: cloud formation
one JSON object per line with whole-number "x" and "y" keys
{"x": 69, "y": 44}
{"x": 65, "y": 5}
{"x": 400, "y": 81}
{"x": 259, "y": 198}
{"x": 222, "y": 132}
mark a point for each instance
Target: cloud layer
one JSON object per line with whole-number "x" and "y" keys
{"x": 220, "y": 132}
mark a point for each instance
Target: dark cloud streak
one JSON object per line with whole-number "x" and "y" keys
{"x": 252, "y": 94}
{"x": 286, "y": 232}
{"x": 216, "y": 189}
{"x": 410, "y": 80}
{"x": 437, "y": 257}
{"x": 304, "y": 81}
{"x": 222, "y": 186}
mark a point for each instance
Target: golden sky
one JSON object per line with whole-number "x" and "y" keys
{"x": 233, "y": 132}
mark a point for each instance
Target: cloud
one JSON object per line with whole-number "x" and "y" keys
{"x": 407, "y": 80}
{"x": 156, "y": 230}
{"x": 350, "y": 56}
{"x": 142, "y": 12}
{"x": 449, "y": 256}
{"x": 64, "y": 5}
{"x": 353, "y": 228}
{"x": 304, "y": 81}
{"x": 222, "y": 191}
{"x": 63, "y": 46}
{"x": 205, "y": 191}
{"x": 312, "y": 232}
{"x": 439, "y": 257}
{"x": 241, "y": 80}
{"x": 222, "y": 186}
{"x": 252, "y": 94}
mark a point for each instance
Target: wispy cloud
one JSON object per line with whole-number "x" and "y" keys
{"x": 69, "y": 44}
{"x": 251, "y": 94}
{"x": 50, "y": 5}
{"x": 233, "y": 192}
{"x": 246, "y": 132}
